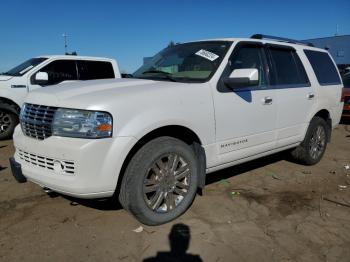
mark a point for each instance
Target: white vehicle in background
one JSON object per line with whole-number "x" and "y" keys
{"x": 195, "y": 108}
{"x": 44, "y": 71}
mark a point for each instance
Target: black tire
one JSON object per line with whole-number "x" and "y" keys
{"x": 306, "y": 153}
{"x": 8, "y": 122}
{"x": 133, "y": 196}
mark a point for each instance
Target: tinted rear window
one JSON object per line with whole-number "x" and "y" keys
{"x": 323, "y": 66}
{"x": 89, "y": 70}
{"x": 288, "y": 69}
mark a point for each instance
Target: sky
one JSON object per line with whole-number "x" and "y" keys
{"x": 130, "y": 30}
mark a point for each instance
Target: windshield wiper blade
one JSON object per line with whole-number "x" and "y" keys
{"x": 156, "y": 72}
{"x": 165, "y": 74}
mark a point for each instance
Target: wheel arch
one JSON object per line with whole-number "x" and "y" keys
{"x": 326, "y": 116}
{"x": 182, "y": 133}
{"x": 9, "y": 105}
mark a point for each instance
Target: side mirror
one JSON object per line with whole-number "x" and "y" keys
{"x": 241, "y": 78}
{"x": 41, "y": 78}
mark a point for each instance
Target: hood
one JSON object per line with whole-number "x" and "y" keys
{"x": 95, "y": 93}
{"x": 5, "y": 77}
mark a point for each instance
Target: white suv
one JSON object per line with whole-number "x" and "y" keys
{"x": 44, "y": 71}
{"x": 193, "y": 109}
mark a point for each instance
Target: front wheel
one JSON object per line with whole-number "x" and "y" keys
{"x": 8, "y": 122}
{"x": 160, "y": 181}
{"x": 311, "y": 150}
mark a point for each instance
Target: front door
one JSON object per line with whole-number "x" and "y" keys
{"x": 245, "y": 118}
{"x": 58, "y": 71}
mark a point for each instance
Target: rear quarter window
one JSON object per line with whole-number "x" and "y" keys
{"x": 89, "y": 70}
{"x": 323, "y": 66}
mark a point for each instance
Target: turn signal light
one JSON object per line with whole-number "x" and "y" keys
{"x": 104, "y": 128}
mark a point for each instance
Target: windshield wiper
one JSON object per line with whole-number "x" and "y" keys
{"x": 165, "y": 74}
{"x": 156, "y": 72}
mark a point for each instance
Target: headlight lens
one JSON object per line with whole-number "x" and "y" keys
{"x": 82, "y": 123}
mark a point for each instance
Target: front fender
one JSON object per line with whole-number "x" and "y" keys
{"x": 13, "y": 95}
{"x": 148, "y": 121}
{"x": 8, "y": 108}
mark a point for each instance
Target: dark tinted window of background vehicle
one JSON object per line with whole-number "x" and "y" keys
{"x": 346, "y": 80}
{"x": 89, "y": 70}
{"x": 288, "y": 69}
{"x": 324, "y": 68}
{"x": 59, "y": 71}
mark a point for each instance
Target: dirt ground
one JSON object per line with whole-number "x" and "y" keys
{"x": 265, "y": 210}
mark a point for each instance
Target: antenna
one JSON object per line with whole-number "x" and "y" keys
{"x": 65, "y": 36}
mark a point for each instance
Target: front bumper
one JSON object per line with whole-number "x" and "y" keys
{"x": 84, "y": 168}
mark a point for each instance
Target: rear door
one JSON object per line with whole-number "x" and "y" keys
{"x": 294, "y": 95}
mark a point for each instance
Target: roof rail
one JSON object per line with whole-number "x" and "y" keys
{"x": 281, "y": 39}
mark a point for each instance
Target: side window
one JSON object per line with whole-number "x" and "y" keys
{"x": 249, "y": 57}
{"x": 287, "y": 68}
{"x": 89, "y": 70}
{"x": 245, "y": 56}
{"x": 59, "y": 71}
{"x": 323, "y": 66}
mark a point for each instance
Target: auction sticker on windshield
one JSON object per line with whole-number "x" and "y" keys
{"x": 206, "y": 54}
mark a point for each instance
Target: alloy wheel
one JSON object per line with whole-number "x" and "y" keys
{"x": 166, "y": 183}
{"x": 317, "y": 142}
{"x": 5, "y": 122}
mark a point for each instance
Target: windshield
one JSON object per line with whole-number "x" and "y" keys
{"x": 190, "y": 62}
{"x": 25, "y": 67}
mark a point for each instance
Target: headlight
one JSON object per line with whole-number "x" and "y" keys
{"x": 82, "y": 123}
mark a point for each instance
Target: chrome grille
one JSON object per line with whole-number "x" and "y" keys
{"x": 36, "y": 120}
{"x": 66, "y": 167}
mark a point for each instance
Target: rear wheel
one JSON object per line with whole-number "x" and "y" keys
{"x": 8, "y": 122}
{"x": 311, "y": 150}
{"x": 160, "y": 181}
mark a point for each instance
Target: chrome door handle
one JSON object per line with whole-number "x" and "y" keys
{"x": 310, "y": 96}
{"x": 267, "y": 100}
